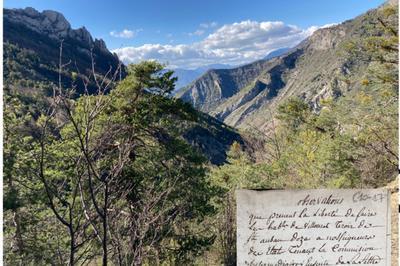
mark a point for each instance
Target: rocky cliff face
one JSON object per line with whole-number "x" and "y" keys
{"x": 51, "y": 24}
{"x": 217, "y": 85}
{"x": 316, "y": 69}
{"x": 41, "y": 33}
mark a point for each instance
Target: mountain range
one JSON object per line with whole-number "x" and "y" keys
{"x": 231, "y": 98}
{"x": 187, "y": 76}
{"x": 317, "y": 68}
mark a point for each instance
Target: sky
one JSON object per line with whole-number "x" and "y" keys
{"x": 194, "y": 33}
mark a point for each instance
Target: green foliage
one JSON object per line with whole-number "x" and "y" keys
{"x": 27, "y": 221}
{"x": 159, "y": 198}
{"x": 163, "y": 165}
{"x": 294, "y": 112}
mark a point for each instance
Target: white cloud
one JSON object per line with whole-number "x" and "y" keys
{"x": 329, "y": 25}
{"x": 202, "y": 28}
{"x": 208, "y": 25}
{"x": 234, "y": 44}
{"x": 197, "y": 33}
{"x": 127, "y": 34}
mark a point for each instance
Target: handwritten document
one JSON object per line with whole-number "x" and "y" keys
{"x": 313, "y": 227}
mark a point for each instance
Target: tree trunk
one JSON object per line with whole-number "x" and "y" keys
{"x": 72, "y": 245}
{"x": 18, "y": 234}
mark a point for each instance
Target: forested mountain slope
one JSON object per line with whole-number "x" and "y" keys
{"x": 32, "y": 42}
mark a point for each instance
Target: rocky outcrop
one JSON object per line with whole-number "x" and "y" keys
{"x": 41, "y": 33}
{"x": 51, "y": 24}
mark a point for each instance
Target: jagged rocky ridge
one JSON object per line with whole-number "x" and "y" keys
{"x": 41, "y": 35}
{"x": 317, "y": 68}
{"x": 52, "y": 24}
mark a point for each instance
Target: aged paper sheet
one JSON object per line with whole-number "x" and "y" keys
{"x": 313, "y": 227}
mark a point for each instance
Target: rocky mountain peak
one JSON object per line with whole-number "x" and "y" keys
{"x": 326, "y": 38}
{"x": 57, "y": 20}
{"x": 50, "y": 23}
{"x": 41, "y": 33}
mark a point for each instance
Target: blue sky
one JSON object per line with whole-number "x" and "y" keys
{"x": 193, "y": 33}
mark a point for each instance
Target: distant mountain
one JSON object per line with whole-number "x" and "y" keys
{"x": 217, "y": 85}
{"x": 275, "y": 53}
{"x": 214, "y": 66}
{"x": 186, "y": 76}
{"x": 317, "y": 68}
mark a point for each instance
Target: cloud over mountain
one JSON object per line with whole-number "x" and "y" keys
{"x": 126, "y": 34}
{"x": 233, "y": 44}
